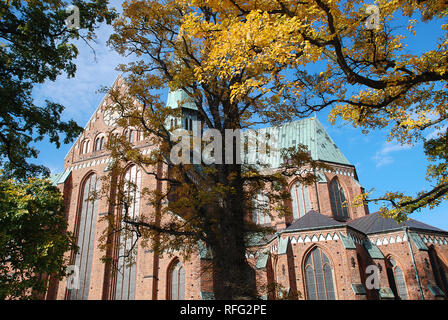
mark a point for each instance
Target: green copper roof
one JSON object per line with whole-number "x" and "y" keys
{"x": 59, "y": 178}
{"x": 311, "y": 133}
{"x": 308, "y": 132}
{"x": 177, "y": 97}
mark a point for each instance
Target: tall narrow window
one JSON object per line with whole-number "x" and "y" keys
{"x": 396, "y": 279}
{"x": 337, "y": 198}
{"x": 87, "y": 216}
{"x": 438, "y": 269}
{"x": 300, "y": 197}
{"x": 319, "y": 276}
{"x": 84, "y": 147}
{"x": 176, "y": 282}
{"x": 99, "y": 144}
{"x": 129, "y": 135}
{"x": 260, "y": 213}
{"x": 125, "y": 278}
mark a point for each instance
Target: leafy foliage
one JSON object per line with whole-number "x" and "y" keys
{"x": 319, "y": 54}
{"x": 33, "y": 237}
{"x": 34, "y": 47}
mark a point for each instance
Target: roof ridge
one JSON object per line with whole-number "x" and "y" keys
{"x": 367, "y": 224}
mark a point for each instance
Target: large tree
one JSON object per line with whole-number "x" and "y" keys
{"x": 208, "y": 202}
{"x": 351, "y": 57}
{"x": 36, "y": 45}
{"x": 33, "y": 237}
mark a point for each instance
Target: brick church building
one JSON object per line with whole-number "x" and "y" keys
{"x": 323, "y": 250}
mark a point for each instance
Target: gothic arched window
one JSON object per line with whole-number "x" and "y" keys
{"x": 125, "y": 281}
{"x": 260, "y": 214}
{"x": 85, "y": 146}
{"x": 176, "y": 282}
{"x": 129, "y": 135}
{"x": 87, "y": 215}
{"x": 396, "y": 279}
{"x": 319, "y": 276}
{"x": 440, "y": 274}
{"x": 337, "y": 198}
{"x": 99, "y": 144}
{"x": 300, "y": 197}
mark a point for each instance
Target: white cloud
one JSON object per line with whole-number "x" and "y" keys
{"x": 94, "y": 69}
{"x": 383, "y": 156}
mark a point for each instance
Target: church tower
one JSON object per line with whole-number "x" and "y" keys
{"x": 190, "y": 114}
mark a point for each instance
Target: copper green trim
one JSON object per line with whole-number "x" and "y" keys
{"x": 204, "y": 251}
{"x": 207, "y": 295}
{"x": 386, "y": 293}
{"x": 262, "y": 260}
{"x": 282, "y": 245}
{"x": 373, "y": 250}
{"x": 60, "y": 177}
{"x": 347, "y": 242}
{"x": 436, "y": 291}
{"x": 418, "y": 242}
{"x": 358, "y": 289}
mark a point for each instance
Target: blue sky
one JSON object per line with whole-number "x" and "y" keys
{"x": 384, "y": 166}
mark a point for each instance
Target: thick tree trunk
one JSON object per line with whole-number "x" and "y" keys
{"x": 233, "y": 277}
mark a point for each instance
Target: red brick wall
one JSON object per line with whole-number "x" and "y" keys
{"x": 284, "y": 269}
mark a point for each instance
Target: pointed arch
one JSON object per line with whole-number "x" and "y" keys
{"x": 396, "y": 278}
{"x": 85, "y": 232}
{"x": 175, "y": 280}
{"x": 126, "y": 248}
{"x": 85, "y": 147}
{"x": 318, "y": 275}
{"x": 337, "y": 199}
{"x": 99, "y": 142}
